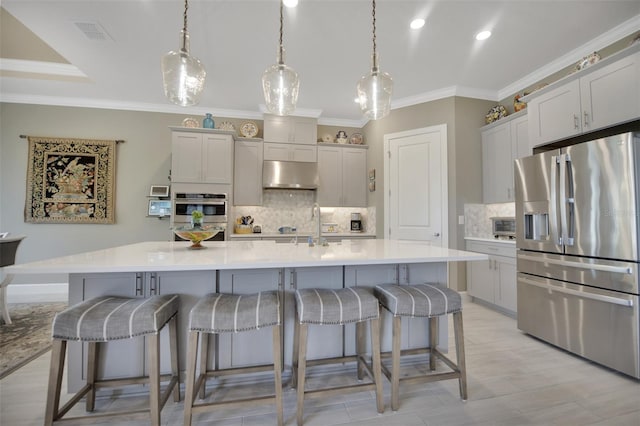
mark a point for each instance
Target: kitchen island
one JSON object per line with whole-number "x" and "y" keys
{"x": 150, "y": 268}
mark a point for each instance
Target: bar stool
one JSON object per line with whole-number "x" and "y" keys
{"x": 105, "y": 319}
{"x": 337, "y": 307}
{"x": 231, "y": 313}
{"x": 430, "y": 301}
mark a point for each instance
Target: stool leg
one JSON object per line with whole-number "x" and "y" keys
{"x": 294, "y": 361}
{"x": 302, "y": 366}
{"x": 55, "y": 381}
{"x": 375, "y": 361}
{"x": 462, "y": 366}
{"x": 360, "y": 348}
{"x": 433, "y": 342}
{"x": 153, "y": 359}
{"x": 395, "y": 361}
{"x": 92, "y": 372}
{"x": 173, "y": 348}
{"x": 277, "y": 372}
{"x": 204, "y": 357}
{"x": 189, "y": 394}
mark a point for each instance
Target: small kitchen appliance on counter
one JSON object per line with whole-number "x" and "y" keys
{"x": 503, "y": 228}
{"x": 356, "y": 222}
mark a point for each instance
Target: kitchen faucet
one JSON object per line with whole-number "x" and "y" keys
{"x": 314, "y": 208}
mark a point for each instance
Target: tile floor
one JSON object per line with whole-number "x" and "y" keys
{"x": 513, "y": 380}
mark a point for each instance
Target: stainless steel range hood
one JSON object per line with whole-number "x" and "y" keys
{"x": 289, "y": 175}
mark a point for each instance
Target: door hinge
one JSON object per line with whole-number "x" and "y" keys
{"x": 389, "y": 154}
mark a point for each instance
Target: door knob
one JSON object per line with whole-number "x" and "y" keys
{"x": 436, "y": 234}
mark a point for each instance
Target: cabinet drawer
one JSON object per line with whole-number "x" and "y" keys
{"x": 496, "y": 249}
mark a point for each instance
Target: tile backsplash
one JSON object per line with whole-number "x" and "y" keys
{"x": 281, "y": 207}
{"x": 477, "y": 218}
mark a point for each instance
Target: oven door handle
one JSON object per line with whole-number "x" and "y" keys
{"x": 201, "y": 202}
{"x": 593, "y": 267}
{"x": 584, "y": 295}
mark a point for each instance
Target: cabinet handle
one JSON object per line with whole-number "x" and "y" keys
{"x": 292, "y": 276}
{"x": 576, "y": 123}
{"x": 586, "y": 118}
{"x": 139, "y": 284}
{"x": 153, "y": 288}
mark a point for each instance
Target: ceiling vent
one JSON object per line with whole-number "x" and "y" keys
{"x": 93, "y": 31}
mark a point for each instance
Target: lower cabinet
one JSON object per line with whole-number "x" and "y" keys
{"x": 494, "y": 280}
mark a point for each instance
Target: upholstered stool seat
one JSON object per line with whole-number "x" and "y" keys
{"x": 108, "y": 318}
{"x": 429, "y": 301}
{"x": 231, "y": 313}
{"x": 337, "y": 307}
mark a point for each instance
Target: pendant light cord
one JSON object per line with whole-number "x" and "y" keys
{"x": 280, "y": 55}
{"x": 374, "y": 26}
{"x": 184, "y": 27}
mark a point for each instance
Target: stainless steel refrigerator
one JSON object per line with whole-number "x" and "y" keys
{"x": 577, "y": 230}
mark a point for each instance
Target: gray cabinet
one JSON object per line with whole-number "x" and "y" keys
{"x": 502, "y": 143}
{"x": 201, "y": 156}
{"x": 493, "y": 281}
{"x": 290, "y": 152}
{"x": 247, "y": 173}
{"x": 290, "y": 129}
{"x": 600, "y": 96}
{"x": 342, "y": 172}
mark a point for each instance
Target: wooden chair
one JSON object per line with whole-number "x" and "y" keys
{"x": 105, "y": 319}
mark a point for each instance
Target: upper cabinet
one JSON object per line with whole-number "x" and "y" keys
{"x": 502, "y": 143}
{"x": 247, "y": 179}
{"x": 290, "y": 129}
{"x": 290, "y": 152}
{"x": 342, "y": 170}
{"x": 605, "y": 94}
{"x": 201, "y": 156}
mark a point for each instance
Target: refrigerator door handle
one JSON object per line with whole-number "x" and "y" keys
{"x": 571, "y": 201}
{"x": 585, "y": 295}
{"x": 578, "y": 265}
{"x": 565, "y": 201}
{"x": 553, "y": 202}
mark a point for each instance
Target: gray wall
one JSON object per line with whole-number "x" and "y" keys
{"x": 463, "y": 117}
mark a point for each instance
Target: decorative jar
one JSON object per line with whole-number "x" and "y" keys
{"x": 208, "y": 122}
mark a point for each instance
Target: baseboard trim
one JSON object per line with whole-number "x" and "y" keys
{"x": 38, "y": 293}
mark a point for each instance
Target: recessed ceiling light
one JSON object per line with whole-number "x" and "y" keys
{"x": 417, "y": 23}
{"x": 483, "y": 35}
{"x": 290, "y": 3}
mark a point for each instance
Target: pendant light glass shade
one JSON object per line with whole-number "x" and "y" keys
{"x": 374, "y": 92}
{"x": 280, "y": 83}
{"x": 375, "y": 89}
{"x": 183, "y": 75}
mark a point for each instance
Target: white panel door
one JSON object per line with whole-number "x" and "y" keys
{"x": 416, "y": 185}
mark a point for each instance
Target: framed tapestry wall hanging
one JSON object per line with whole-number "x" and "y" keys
{"x": 70, "y": 181}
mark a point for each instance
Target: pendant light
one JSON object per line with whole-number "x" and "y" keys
{"x": 280, "y": 83}
{"x": 183, "y": 75}
{"x": 374, "y": 89}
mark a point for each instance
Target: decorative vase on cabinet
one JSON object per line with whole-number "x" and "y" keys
{"x": 208, "y": 123}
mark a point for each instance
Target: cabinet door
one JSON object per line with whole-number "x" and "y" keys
{"x": 611, "y": 94}
{"x": 276, "y": 129}
{"x": 520, "y": 138}
{"x": 247, "y": 175}
{"x": 330, "y": 176}
{"x": 480, "y": 280}
{"x": 354, "y": 177}
{"x": 217, "y": 158}
{"x": 238, "y": 349}
{"x": 186, "y": 157}
{"x": 497, "y": 165}
{"x": 304, "y": 130}
{"x": 555, "y": 115}
{"x": 505, "y": 283}
{"x": 88, "y": 286}
{"x": 304, "y": 153}
{"x": 277, "y": 151}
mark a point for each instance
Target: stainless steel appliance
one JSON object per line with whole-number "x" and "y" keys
{"x": 577, "y": 233}
{"x": 212, "y": 205}
{"x": 289, "y": 175}
{"x": 356, "y": 222}
{"x": 503, "y": 227}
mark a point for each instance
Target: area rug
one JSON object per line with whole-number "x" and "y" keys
{"x": 28, "y": 336}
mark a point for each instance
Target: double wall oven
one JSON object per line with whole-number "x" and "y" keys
{"x": 212, "y": 205}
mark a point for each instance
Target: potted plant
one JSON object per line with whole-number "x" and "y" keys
{"x": 196, "y": 219}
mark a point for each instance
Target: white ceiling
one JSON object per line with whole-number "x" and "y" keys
{"x": 327, "y": 41}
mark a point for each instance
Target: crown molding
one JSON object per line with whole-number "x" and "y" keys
{"x": 39, "y": 67}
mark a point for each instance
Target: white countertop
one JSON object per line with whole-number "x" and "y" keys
{"x": 160, "y": 256}
{"x": 302, "y": 236}
{"x": 491, "y": 240}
